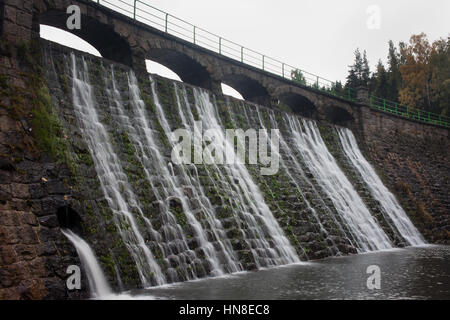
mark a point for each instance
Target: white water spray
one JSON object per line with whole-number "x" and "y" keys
{"x": 378, "y": 190}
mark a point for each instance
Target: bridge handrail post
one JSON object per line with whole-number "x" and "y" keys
{"x": 282, "y": 69}
{"x": 194, "y": 33}
{"x": 220, "y": 45}
{"x": 134, "y": 9}
{"x": 167, "y": 21}
{"x": 242, "y": 54}
{"x": 263, "y": 62}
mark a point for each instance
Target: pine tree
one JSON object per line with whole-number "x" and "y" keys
{"x": 365, "y": 71}
{"x": 440, "y": 79}
{"x": 355, "y": 72}
{"x": 394, "y": 78}
{"x": 298, "y": 76}
{"x": 337, "y": 88}
{"x": 381, "y": 81}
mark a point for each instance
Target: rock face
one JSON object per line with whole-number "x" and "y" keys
{"x": 413, "y": 159}
{"x": 48, "y": 180}
{"x": 31, "y": 251}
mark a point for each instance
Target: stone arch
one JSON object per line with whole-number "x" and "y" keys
{"x": 250, "y": 89}
{"x": 68, "y": 218}
{"x": 186, "y": 67}
{"x": 100, "y": 35}
{"x": 299, "y": 104}
{"x": 337, "y": 115}
{"x": 2, "y": 14}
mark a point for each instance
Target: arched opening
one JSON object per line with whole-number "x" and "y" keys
{"x": 250, "y": 89}
{"x": 189, "y": 70}
{"x": 230, "y": 91}
{"x": 299, "y": 104}
{"x": 2, "y": 13}
{"x": 67, "y": 39}
{"x": 109, "y": 44}
{"x": 337, "y": 115}
{"x": 157, "y": 68}
{"x": 68, "y": 219}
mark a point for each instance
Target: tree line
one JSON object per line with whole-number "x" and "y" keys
{"x": 417, "y": 74}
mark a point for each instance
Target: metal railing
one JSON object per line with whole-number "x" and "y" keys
{"x": 165, "y": 22}
{"x": 408, "y": 112}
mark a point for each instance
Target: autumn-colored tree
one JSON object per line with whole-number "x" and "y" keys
{"x": 416, "y": 73}
{"x": 426, "y": 74}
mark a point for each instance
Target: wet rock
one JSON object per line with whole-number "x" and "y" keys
{"x": 7, "y": 165}
{"x": 49, "y": 221}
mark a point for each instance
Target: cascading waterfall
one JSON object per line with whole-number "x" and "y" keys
{"x": 99, "y": 285}
{"x": 240, "y": 231}
{"x": 312, "y": 149}
{"x": 113, "y": 180}
{"x": 268, "y": 244}
{"x": 283, "y": 164}
{"x": 223, "y": 245}
{"x": 171, "y": 187}
{"x": 389, "y": 203}
{"x": 171, "y": 239}
{"x": 298, "y": 169}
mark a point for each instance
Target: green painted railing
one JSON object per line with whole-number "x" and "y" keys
{"x": 408, "y": 112}
{"x": 163, "y": 21}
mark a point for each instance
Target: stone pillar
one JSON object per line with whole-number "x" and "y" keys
{"x": 138, "y": 60}
{"x": 362, "y": 95}
{"x": 215, "y": 86}
{"x": 17, "y": 21}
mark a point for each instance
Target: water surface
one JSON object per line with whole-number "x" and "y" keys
{"x": 412, "y": 273}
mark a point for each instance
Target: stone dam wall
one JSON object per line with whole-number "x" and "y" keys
{"x": 47, "y": 173}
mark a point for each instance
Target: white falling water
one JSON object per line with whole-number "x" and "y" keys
{"x": 313, "y": 151}
{"x": 97, "y": 281}
{"x": 270, "y": 247}
{"x": 171, "y": 186}
{"x": 378, "y": 190}
{"x": 260, "y": 231}
{"x": 170, "y": 240}
{"x": 298, "y": 169}
{"x": 230, "y": 263}
{"x": 113, "y": 180}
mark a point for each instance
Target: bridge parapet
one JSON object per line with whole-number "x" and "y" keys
{"x": 126, "y": 40}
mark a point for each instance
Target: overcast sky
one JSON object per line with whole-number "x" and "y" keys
{"x": 318, "y": 36}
